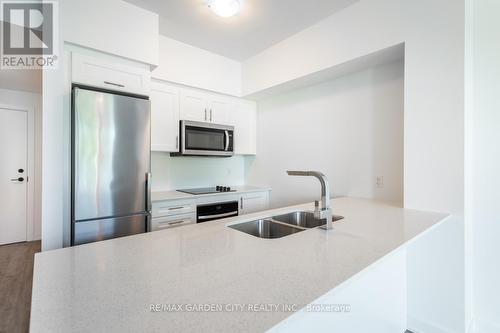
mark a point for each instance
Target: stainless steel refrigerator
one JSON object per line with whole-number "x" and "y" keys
{"x": 111, "y": 161}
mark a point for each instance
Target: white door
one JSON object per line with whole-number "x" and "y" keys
{"x": 164, "y": 118}
{"x": 13, "y": 173}
{"x": 193, "y": 106}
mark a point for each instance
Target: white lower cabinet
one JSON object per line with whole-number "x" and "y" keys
{"x": 253, "y": 202}
{"x": 180, "y": 212}
{"x": 164, "y": 117}
{"x": 166, "y": 222}
{"x": 172, "y": 213}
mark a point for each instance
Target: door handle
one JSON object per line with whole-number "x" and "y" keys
{"x": 17, "y": 180}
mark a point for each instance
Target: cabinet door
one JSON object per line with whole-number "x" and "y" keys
{"x": 106, "y": 74}
{"x": 218, "y": 109}
{"x": 164, "y": 117}
{"x": 253, "y": 202}
{"x": 243, "y": 116}
{"x": 193, "y": 106}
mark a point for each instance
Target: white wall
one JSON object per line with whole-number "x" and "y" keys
{"x": 111, "y": 26}
{"x": 192, "y": 66}
{"x": 433, "y": 87}
{"x": 484, "y": 163}
{"x": 34, "y": 102}
{"x": 54, "y": 155}
{"x": 350, "y": 128}
{"x": 433, "y": 33}
{"x": 173, "y": 173}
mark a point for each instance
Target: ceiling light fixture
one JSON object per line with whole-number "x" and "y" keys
{"x": 225, "y": 8}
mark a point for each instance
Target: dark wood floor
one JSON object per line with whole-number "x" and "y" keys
{"x": 16, "y": 276}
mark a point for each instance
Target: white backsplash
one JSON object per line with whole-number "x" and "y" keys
{"x": 172, "y": 173}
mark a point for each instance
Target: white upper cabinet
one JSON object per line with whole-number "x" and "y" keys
{"x": 214, "y": 108}
{"x": 203, "y": 106}
{"x": 218, "y": 109}
{"x": 193, "y": 105}
{"x": 243, "y": 116}
{"x": 105, "y": 73}
{"x": 164, "y": 117}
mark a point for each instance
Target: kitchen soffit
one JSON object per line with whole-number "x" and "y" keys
{"x": 259, "y": 25}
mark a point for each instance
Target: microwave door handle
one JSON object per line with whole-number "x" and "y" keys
{"x": 227, "y": 140}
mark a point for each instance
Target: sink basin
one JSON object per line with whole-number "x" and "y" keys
{"x": 266, "y": 229}
{"x": 303, "y": 219}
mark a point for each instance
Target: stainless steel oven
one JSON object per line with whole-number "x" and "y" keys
{"x": 205, "y": 139}
{"x": 215, "y": 211}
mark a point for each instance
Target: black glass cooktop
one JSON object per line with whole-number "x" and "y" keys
{"x": 207, "y": 190}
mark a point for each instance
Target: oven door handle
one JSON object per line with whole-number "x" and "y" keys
{"x": 206, "y": 217}
{"x": 227, "y": 140}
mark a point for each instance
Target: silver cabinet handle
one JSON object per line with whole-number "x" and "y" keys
{"x": 175, "y": 208}
{"x": 176, "y": 222}
{"x": 205, "y": 114}
{"x": 163, "y": 225}
{"x": 241, "y": 203}
{"x": 115, "y": 84}
{"x": 210, "y": 115}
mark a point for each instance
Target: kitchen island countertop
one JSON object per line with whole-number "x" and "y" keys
{"x": 112, "y": 286}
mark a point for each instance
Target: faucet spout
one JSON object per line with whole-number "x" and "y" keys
{"x": 325, "y": 210}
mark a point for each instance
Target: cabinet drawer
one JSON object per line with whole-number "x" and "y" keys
{"x": 103, "y": 74}
{"x": 168, "y": 208}
{"x": 172, "y": 221}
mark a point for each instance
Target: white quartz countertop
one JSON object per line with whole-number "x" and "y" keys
{"x": 110, "y": 286}
{"x": 176, "y": 195}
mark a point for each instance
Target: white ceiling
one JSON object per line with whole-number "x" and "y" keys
{"x": 259, "y": 25}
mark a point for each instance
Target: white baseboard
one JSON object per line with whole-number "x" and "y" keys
{"x": 480, "y": 325}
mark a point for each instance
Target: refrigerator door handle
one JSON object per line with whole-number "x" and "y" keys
{"x": 148, "y": 191}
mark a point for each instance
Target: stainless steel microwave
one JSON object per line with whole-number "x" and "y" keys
{"x": 205, "y": 139}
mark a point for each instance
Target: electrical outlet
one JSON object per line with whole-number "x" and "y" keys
{"x": 379, "y": 182}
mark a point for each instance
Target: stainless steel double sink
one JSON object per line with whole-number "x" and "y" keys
{"x": 281, "y": 225}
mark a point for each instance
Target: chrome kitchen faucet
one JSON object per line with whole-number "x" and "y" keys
{"x": 325, "y": 211}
